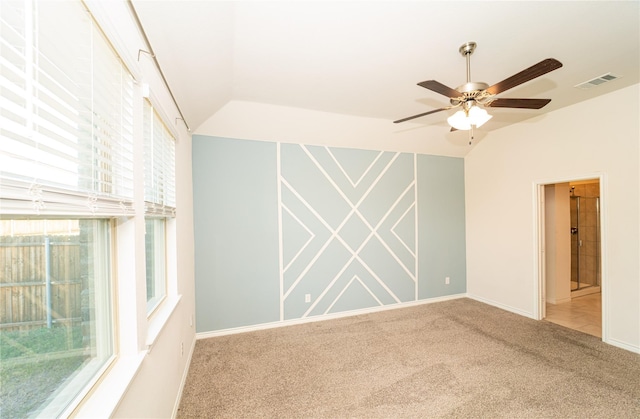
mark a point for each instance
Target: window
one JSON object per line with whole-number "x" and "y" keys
{"x": 56, "y": 311}
{"x": 154, "y": 240}
{"x": 65, "y": 108}
{"x": 159, "y": 196}
{"x": 66, "y": 170}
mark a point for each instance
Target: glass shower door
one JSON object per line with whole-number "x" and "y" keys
{"x": 585, "y": 242}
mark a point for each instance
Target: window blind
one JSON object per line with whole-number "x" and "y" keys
{"x": 159, "y": 165}
{"x": 66, "y": 114}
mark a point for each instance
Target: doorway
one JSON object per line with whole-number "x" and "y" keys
{"x": 570, "y": 254}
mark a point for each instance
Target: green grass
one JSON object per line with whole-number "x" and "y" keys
{"x": 33, "y": 364}
{"x": 16, "y": 344}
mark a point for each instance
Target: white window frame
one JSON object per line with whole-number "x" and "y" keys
{"x": 159, "y": 254}
{"x": 159, "y": 195}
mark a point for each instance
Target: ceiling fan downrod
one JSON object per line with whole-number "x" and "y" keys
{"x": 466, "y": 50}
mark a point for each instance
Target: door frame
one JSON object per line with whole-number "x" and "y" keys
{"x": 539, "y": 238}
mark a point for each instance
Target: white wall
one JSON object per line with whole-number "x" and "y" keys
{"x": 264, "y": 122}
{"x": 593, "y": 138}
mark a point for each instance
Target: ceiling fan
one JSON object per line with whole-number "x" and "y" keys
{"x": 472, "y": 97}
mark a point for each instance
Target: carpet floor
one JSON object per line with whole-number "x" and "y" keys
{"x": 452, "y": 359}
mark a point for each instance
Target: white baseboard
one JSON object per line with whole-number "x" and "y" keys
{"x": 559, "y": 301}
{"x": 284, "y": 323}
{"x": 585, "y": 291}
{"x": 185, "y": 374}
{"x": 623, "y": 345}
{"x": 503, "y": 306}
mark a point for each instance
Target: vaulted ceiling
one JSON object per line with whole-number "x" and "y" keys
{"x": 365, "y": 58}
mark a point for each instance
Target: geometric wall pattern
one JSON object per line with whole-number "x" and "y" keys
{"x": 348, "y": 229}
{"x": 352, "y": 229}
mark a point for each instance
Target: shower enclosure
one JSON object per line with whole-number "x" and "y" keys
{"x": 585, "y": 242}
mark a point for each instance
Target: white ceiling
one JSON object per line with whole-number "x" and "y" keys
{"x": 364, "y": 58}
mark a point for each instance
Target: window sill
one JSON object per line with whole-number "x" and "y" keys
{"x": 160, "y": 318}
{"x": 106, "y": 397}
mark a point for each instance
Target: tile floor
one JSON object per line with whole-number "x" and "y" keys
{"x": 581, "y": 313}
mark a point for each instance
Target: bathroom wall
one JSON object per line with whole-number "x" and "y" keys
{"x": 557, "y": 244}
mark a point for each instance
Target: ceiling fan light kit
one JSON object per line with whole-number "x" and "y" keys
{"x": 472, "y": 97}
{"x": 464, "y": 119}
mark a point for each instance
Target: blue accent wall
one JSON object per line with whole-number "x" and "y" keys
{"x": 236, "y": 233}
{"x": 441, "y": 226}
{"x": 348, "y": 229}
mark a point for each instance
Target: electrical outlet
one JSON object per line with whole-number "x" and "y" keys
{"x": 181, "y": 348}
{"x": 191, "y": 320}
{"x": 446, "y": 280}
{"x": 307, "y": 298}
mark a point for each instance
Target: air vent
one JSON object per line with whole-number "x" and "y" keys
{"x": 597, "y": 81}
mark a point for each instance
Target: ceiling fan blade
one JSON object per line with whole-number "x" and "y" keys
{"x": 440, "y": 88}
{"x": 530, "y": 73}
{"x": 421, "y": 114}
{"x": 518, "y": 103}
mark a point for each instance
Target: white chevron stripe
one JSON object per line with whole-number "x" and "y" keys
{"x": 321, "y": 250}
{"x": 337, "y": 236}
{"x": 355, "y": 277}
{"x": 397, "y": 236}
{"x": 335, "y": 233}
{"x": 354, "y": 184}
{"x": 385, "y": 244}
{"x": 382, "y": 241}
{"x": 306, "y": 244}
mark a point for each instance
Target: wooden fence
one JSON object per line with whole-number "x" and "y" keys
{"x": 40, "y": 281}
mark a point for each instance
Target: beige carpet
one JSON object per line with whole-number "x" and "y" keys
{"x": 455, "y": 359}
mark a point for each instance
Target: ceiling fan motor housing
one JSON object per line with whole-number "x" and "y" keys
{"x": 470, "y": 91}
